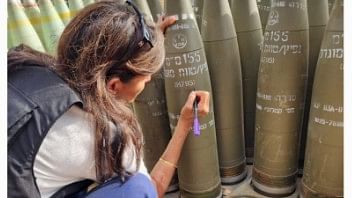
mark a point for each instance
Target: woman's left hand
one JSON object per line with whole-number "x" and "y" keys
{"x": 165, "y": 21}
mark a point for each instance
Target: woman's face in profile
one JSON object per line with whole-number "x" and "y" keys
{"x": 131, "y": 89}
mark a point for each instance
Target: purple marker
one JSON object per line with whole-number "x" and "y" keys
{"x": 196, "y": 126}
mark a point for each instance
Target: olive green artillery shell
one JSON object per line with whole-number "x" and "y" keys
{"x": 245, "y": 15}
{"x": 75, "y": 6}
{"x": 264, "y": 9}
{"x": 20, "y": 28}
{"x": 63, "y": 11}
{"x": 185, "y": 69}
{"x": 155, "y": 8}
{"x": 250, "y": 37}
{"x": 318, "y": 16}
{"x": 197, "y": 6}
{"x": 323, "y": 166}
{"x": 280, "y": 97}
{"x": 87, "y": 2}
{"x": 33, "y": 13}
{"x": 162, "y": 3}
{"x": 144, "y": 8}
{"x": 52, "y": 25}
{"x": 221, "y": 47}
{"x": 331, "y": 4}
{"x": 9, "y": 39}
{"x": 151, "y": 111}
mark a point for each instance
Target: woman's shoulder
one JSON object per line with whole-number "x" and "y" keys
{"x": 75, "y": 126}
{"x": 74, "y": 133}
{"x": 67, "y": 152}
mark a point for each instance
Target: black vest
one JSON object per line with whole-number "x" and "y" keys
{"x": 37, "y": 97}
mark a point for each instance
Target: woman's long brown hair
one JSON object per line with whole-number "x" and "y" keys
{"x": 95, "y": 46}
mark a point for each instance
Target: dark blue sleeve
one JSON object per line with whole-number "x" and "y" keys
{"x": 137, "y": 186}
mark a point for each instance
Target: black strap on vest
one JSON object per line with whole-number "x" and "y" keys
{"x": 37, "y": 97}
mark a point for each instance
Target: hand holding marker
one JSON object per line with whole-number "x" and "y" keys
{"x": 196, "y": 125}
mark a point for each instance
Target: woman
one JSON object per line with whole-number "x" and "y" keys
{"x": 106, "y": 55}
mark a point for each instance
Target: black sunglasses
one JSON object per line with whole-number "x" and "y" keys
{"x": 146, "y": 34}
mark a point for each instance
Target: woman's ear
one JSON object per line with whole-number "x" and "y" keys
{"x": 114, "y": 85}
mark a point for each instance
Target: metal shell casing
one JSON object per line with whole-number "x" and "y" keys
{"x": 150, "y": 108}
{"x": 186, "y": 69}
{"x": 52, "y": 25}
{"x": 20, "y": 29}
{"x": 250, "y": 38}
{"x": 318, "y": 16}
{"x": 155, "y": 8}
{"x": 223, "y": 57}
{"x": 264, "y": 9}
{"x": 323, "y": 166}
{"x": 280, "y": 99}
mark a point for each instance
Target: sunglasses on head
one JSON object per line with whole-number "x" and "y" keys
{"x": 146, "y": 34}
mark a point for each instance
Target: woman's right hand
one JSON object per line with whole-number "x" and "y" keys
{"x": 186, "y": 115}
{"x": 164, "y": 169}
